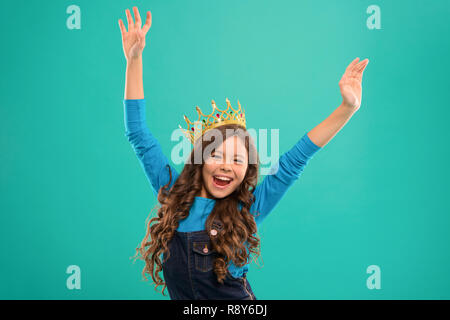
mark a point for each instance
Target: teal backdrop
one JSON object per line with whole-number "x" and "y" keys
{"x": 73, "y": 192}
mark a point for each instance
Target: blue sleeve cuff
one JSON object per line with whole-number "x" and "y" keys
{"x": 309, "y": 147}
{"x": 133, "y": 100}
{"x": 134, "y": 114}
{"x": 303, "y": 150}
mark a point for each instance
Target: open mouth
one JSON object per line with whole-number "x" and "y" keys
{"x": 221, "y": 182}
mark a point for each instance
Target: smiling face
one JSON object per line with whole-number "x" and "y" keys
{"x": 228, "y": 161}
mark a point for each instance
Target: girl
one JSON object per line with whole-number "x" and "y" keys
{"x": 206, "y": 227}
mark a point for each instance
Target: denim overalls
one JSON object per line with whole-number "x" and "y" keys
{"x": 189, "y": 274}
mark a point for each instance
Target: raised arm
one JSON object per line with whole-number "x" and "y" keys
{"x": 281, "y": 177}
{"x": 145, "y": 145}
{"x": 133, "y": 43}
{"x": 292, "y": 163}
{"x": 351, "y": 91}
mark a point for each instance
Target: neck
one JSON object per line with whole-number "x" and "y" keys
{"x": 205, "y": 194}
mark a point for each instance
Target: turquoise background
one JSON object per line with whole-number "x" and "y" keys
{"x": 73, "y": 192}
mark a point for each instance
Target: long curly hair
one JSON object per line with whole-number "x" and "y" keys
{"x": 175, "y": 203}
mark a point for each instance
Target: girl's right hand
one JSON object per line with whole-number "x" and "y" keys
{"x": 133, "y": 40}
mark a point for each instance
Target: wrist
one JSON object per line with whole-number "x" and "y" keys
{"x": 134, "y": 61}
{"x": 348, "y": 107}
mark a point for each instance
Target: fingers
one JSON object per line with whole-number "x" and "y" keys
{"x": 129, "y": 20}
{"x": 354, "y": 70}
{"x": 352, "y": 64}
{"x": 122, "y": 28}
{"x": 360, "y": 66}
{"x": 137, "y": 17}
{"x": 362, "y": 70}
{"x": 148, "y": 23}
{"x": 349, "y": 70}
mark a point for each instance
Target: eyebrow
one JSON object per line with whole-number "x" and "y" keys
{"x": 236, "y": 156}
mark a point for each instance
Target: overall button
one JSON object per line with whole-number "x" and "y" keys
{"x": 203, "y": 255}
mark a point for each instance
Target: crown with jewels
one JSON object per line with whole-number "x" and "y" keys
{"x": 215, "y": 119}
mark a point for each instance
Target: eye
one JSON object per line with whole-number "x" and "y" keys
{"x": 239, "y": 161}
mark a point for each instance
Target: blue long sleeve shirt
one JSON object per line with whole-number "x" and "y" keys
{"x": 267, "y": 194}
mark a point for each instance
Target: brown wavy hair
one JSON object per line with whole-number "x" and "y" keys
{"x": 175, "y": 203}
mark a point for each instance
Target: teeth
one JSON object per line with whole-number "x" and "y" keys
{"x": 222, "y": 178}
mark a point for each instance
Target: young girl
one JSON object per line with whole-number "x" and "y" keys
{"x": 206, "y": 227}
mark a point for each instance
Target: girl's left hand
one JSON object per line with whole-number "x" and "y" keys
{"x": 350, "y": 84}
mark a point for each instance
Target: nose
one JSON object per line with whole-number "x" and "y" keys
{"x": 225, "y": 167}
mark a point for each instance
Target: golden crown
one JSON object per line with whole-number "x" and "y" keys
{"x": 215, "y": 119}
